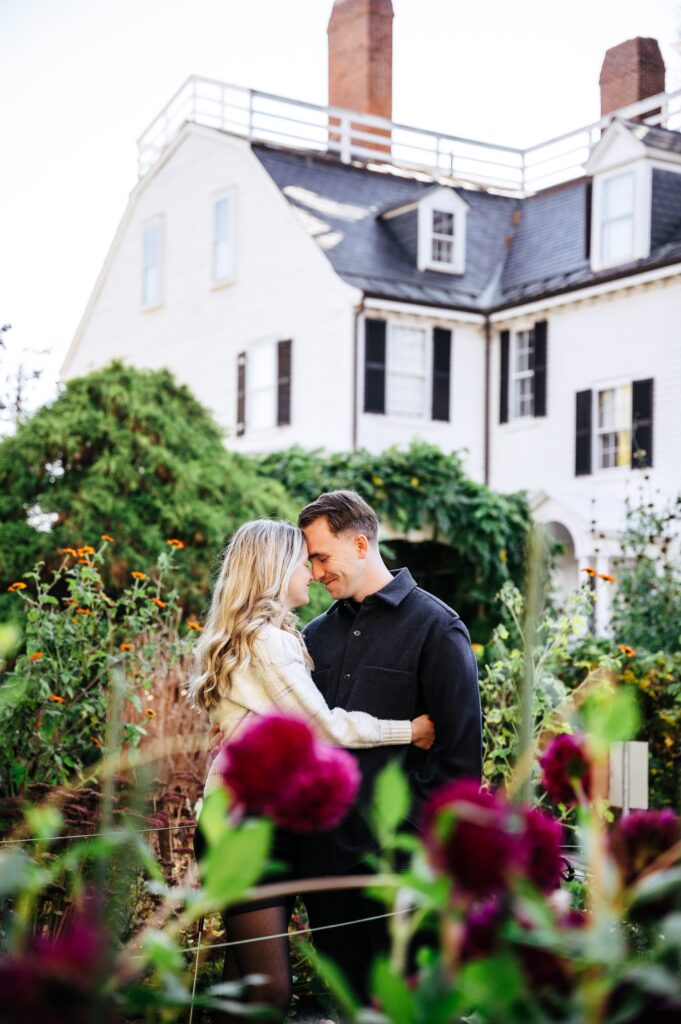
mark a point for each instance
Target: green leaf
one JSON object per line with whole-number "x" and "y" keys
{"x": 44, "y": 822}
{"x": 612, "y": 715}
{"x": 213, "y": 819}
{"x": 333, "y": 977}
{"x": 395, "y": 998}
{"x": 12, "y": 691}
{"x": 236, "y": 861}
{"x": 391, "y": 801}
{"x": 162, "y": 952}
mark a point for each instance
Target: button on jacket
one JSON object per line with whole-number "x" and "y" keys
{"x": 400, "y": 653}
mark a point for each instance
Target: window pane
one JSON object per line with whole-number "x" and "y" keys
{"x": 261, "y": 387}
{"x": 618, "y": 196}
{"x": 606, "y": 408}
{"x": 443, "y": 223}
{"x": 406, "y": 371}
{"x": 221, "y": 262}
{"x": 221, "y": 220}
{"x": 443, "y": 251}
{"x": 618, "y": 239}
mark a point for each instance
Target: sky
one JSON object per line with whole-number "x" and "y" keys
{"x": 82, "y": 79}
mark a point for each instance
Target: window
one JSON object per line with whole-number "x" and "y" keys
{"x": 264, "y": 380}
{"x": 617, "y": 222}
{"x": 261, "y": 387}
{"x": 443, "y": 237}
{"x": 613, "y": 427}
{"x": 151, "y": 259}
{"x": 522, "y": 376}
{"x": 522, "y": 385}
{"x": 406, "y": 371}
{"x": 222, "y": 240}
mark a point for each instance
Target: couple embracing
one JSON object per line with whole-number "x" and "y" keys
{"x": 387, "y": 671}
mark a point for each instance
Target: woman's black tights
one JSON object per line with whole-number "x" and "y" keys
{"x": 269, "y": 957}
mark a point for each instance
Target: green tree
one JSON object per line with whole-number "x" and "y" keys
{"x": 129, "y": 453}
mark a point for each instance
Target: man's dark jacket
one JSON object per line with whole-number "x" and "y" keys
{"x": 400, "y": 653}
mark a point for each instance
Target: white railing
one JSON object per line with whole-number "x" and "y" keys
{"x": 265, "y": 117}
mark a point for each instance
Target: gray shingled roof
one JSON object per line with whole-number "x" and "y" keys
{"x": 516, "y": 249}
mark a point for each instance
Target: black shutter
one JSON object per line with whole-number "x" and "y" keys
{"x": 588, "y": 191}
{"x": 642, "y": 424}
{"x": 503, "y": 378}
{"x": 283, "y": 383}
{"x": 540, "y": 353}
{"x": 442, "y": 361}
{"x": 583, "y": 433}
{"x": 374, "y": 366}
{"x": 241, "y": 394}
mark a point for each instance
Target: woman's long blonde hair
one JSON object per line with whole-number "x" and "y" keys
{"x": 249, "y": 593}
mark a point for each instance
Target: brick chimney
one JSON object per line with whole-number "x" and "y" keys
{"x": 360, "y": 60}
{"x": 631, "y": 71}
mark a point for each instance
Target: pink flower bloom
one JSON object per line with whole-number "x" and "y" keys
{"x": 640, "y": 837}
{"x": 277, "y": 768}
{"x": 481, "y": 931}
{"x": 322, "y": 794}
{"x": 541, "y": 842}
{"x": 468, "y": 835}
{"x": 565, "y": 762}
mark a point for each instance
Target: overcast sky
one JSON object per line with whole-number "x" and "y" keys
{"x": 81, "y": 79}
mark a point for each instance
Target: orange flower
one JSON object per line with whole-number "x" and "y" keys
{"x": 108, "y": 538}
{"x": 125, "y": 647}
{"x": 175, "y": 543}
{"x": 138, "y": 575}
{"x": 82, "y": 611}
{"x": 149, "y": 713}
{"x": 36, "y": 656}
{"x": 16, "y": 586}
{"x": 605, "y": 576}
{"x": 159, "y": 603}
{"x": 86, "y": 549}
{"x": 69, "y": 600}
{"x": 105, "y": 597}
{"x": 626, "y": 649}
{"x": 85, "y": 561}
{"x": 56, "y": 699}
{"x": 96, "y": 742}
{"x": 68, "y": 551}
{"x": 590, "y": 572}
{"x": 194, "y": 625}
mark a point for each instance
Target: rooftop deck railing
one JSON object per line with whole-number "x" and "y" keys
{"x": 351, "y": 136}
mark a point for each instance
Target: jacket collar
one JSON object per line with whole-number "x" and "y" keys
{"x": 392, "y": 593}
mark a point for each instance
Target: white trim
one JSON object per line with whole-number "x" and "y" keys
{"x": 444, "y": 315}
{"x": 506, "y": 316}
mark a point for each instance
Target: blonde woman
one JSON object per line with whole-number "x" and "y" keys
{"x": 251, "y": 660}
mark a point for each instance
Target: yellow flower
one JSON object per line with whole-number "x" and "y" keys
{"x": 108, "y": 538}
{"x": 377, "y": 481}
{"x": 138, "y": 575}
{"x": 16, "y": 586}
{"x": 503, "y": 556}
{"x": 478, "y": 650}
{"x": 86, "y": 549}
{"x": 414, "y": 481}
{"x": 149, "y": 713}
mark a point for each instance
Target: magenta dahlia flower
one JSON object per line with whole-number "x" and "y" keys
{"x": 277, "y": 768}
{"x": 541, "y": 843}
{"x": 564, "y": 763}
{"x": 640, "y": 837}
{"x": 482, "y": 930}
{"x": 468, "y": 835}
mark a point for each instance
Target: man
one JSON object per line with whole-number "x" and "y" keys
{"x": 395, "y": 651}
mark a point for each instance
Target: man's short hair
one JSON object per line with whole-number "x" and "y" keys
{"x": 344, "y": 510}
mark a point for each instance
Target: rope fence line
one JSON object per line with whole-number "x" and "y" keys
{"x": 97, "y": 835}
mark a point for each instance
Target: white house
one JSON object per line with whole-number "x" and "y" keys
{"x": 325, "y": 277}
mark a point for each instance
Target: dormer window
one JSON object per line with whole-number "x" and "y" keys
{"x": 617, "y": 222}
{"x": 442, "y": 231}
